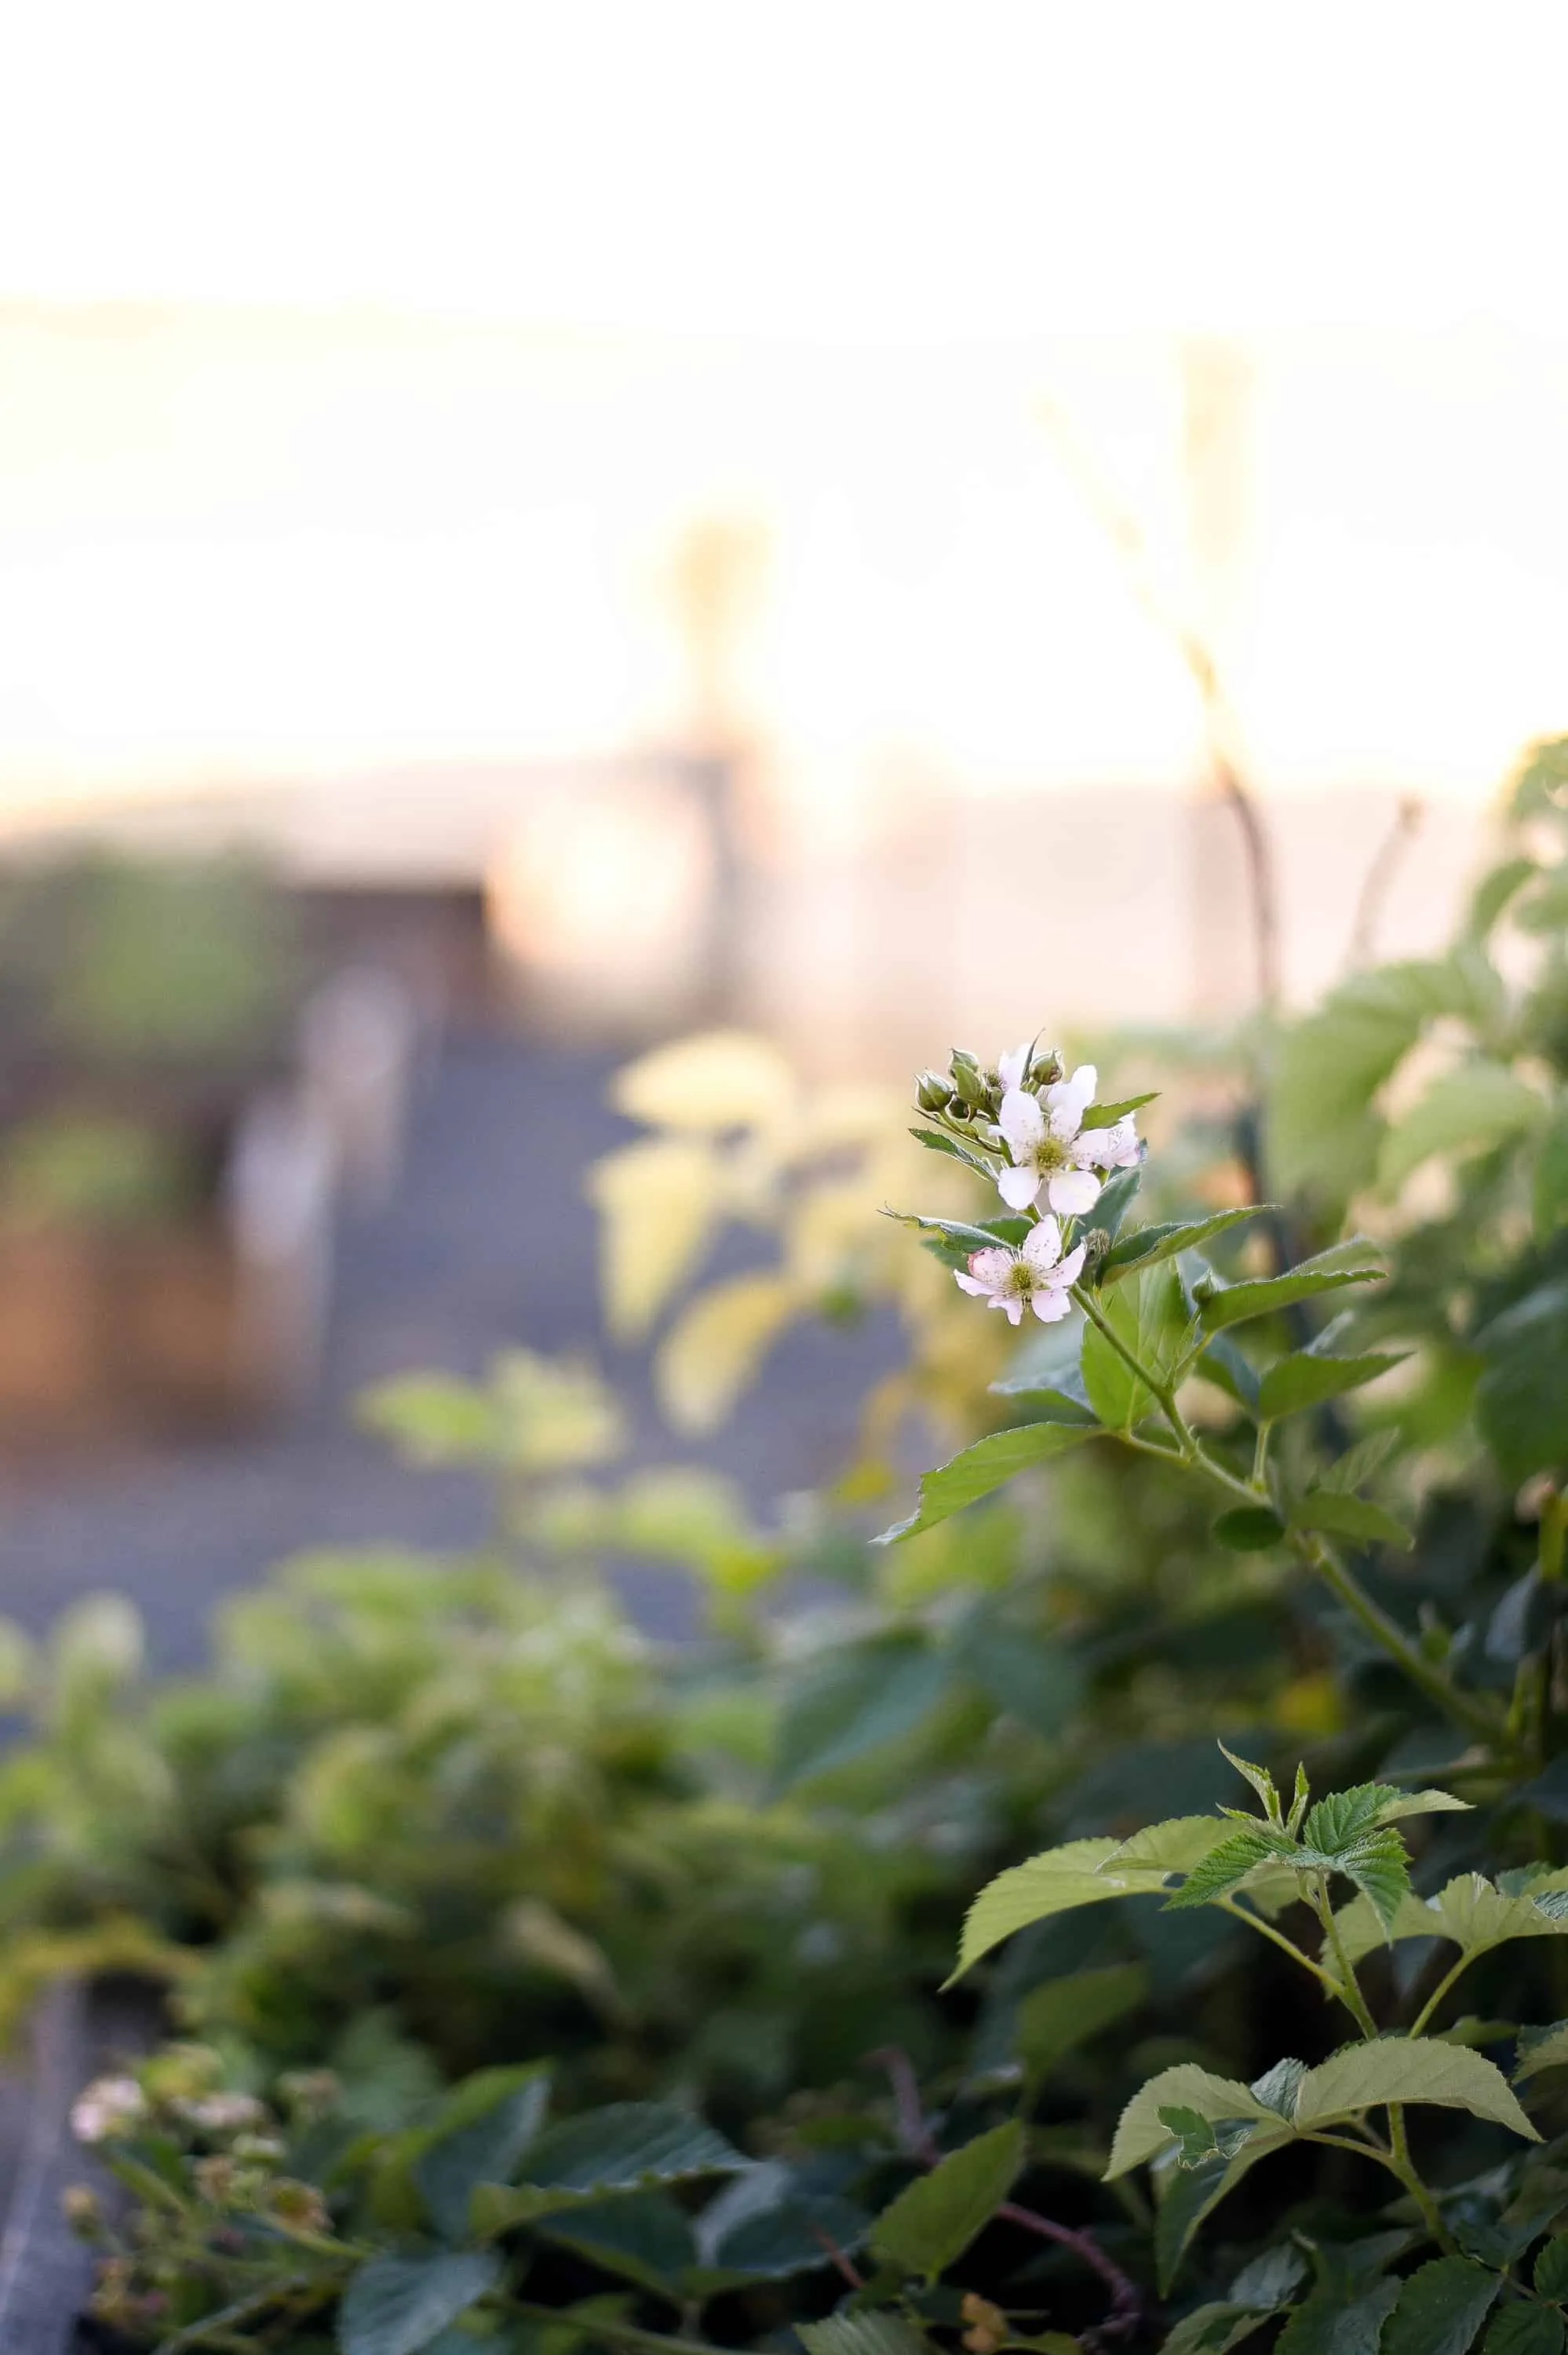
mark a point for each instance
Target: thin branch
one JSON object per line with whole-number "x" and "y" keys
{"x": 1373, "y": 898}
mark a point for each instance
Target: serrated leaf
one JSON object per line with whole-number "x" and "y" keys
{"x": 1421, "y": 1802}
{"x": 1177, "y": 1845}
{"x": 934, "y": 2219}
{"x": 1223, "y": 1869}
{"x": 1328, "y": 2322}
{"x": 625, "y": 2146}
{"x": 1360, "y": 1463}
{"x": 986, "y": 1466}
{"x": 642, "y": 2235}
{"x": 1302, "y": 1380}
{"x": 1440, "y": 2308}
{"x": 1220, "y": 1306}
{"x": 1397, "y": 2069}
{"x": 1052, "y": 1883}
{"x": 1105, "y": 1116}
{"x": 1223, "y": 2101}
{"x": 1056, "y": 2018}
{"x": 1468, "y": 1909}
{"x": 1152, "y": 1318}
{"x": 1148, "y": 1246}
{"x": 764, "y": 2226}
{"x": 1343, "y": 1816}
{"x": 934, "y": 1140}
{"x": 1336, "y": 1514}
{"x": 1214, "y": 2329}
{"x": 1280, "y": 2088}
{"x": 1380, "y": 1869}
{"x": 1550, "y": 2274}
{"x": 1271, "y": 2280}
{"x": 395, "y": 2306}
{"x": 955, "y": 1241}
{"x": 1541, "y": 2048}
{"x": 845, "y": 1706}
{"x": 1197, "y": 2139}
{"x": 484, "y": 2149}
{"x": 872, "y": 2333}
{"x": 1525, "y": 2329}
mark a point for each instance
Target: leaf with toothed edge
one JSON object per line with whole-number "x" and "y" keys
{"x": 989, "y": 1464}
{"x": 1147, "y": 1245}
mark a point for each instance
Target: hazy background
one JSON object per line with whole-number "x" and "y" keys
{"x": 642, "y": 514}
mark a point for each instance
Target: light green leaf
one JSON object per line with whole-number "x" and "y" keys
{"x": 1177, "y": 1845}
{"x": 1052, "y": 1883}
{"x": 395, "y": 2306}
{"x": 1354, "y": 1262}
{"x": 1525, "y": 2329}
{"x": 1105, "y": 1116}
{"x": 1152, "y": 1318}
{"x": 1465, "y": 1111}
{"x": 1226, "y": 1868}
{"x": 861, "y": 2334}
{"x": 1550, "y": 1192}
{"x": 1147, "y": 1245}
{"x": 707, "y": 1359}
{"x": 935, "y": 1141}
{"x": 1440, "y": 2308}
{"x": 934, "y": 2219}
{"x": 1422, "y": 1802}
{"x": 1336, "y": 1514}
{"x": 851, "y": 1702}
{"x": 989, "y": 1464}
{"x": 1469, "y": 1910}
{"x": 1056, "y": 2018}
{"x": 1302, "y": 1380}
{"x": 1396, "y": 2069}
{"x": 1142, "y": 2132}
{"x": 955, "y": 1241}
{"x": 1541, "y": 2048}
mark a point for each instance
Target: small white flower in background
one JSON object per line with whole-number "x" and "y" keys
{"x": 223, "y": 2113}
{"x": 1036, "y": 1276}
{"x": 1117, "y": 1147}
{"x": 1042, "y": 1139}
{"x": 1013, "y": 1069}
{"x": 110, "y": 2105}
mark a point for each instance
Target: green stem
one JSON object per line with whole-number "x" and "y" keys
{"x": 1418, "y": 2025}
{"x": 1355, "y": 2002}
{"x": 1286, "y": 1945}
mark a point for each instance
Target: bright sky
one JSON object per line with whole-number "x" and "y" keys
{"x": 472, "y": 309}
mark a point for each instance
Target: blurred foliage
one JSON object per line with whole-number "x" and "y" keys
{"x": 430, "y": 1826}
{"x": 92, "y": 1170}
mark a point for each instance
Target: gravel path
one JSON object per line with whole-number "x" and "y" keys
{"x": 488, "y": 1241}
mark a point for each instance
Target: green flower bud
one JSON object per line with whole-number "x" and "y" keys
{"x": 1045, "y": 1069}
{"x": 1097, "y": 1243}
{"x": 969, "y": 1080}
{"x": 931, "y": 1092}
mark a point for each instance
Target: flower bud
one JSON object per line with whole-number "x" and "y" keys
{"x": 216, "y": 2180}
{"x": 932, "y": 1091}
{"x": 298, "y": 2207}
{"x": 1046, "y": 1070}
{"x": 309, "y": 2093}
{"x": 957, "y": 1110}
{"x": 1096, "y": 1244}
{"x": 970, "y": 1082}
{"x": 988, "y": 2326}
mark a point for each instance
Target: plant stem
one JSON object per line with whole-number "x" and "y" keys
{"x": 1286, "y": 1945}
{"x": 1418, "y": 2025}
{"x": 1355, "y": 2001}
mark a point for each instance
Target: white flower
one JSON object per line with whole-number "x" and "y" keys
{"x": 108, "y": 2107}
{"x": 1042, "y": 1141}
{"x": 1013, "y": 1069}
{"x": 1035, "y": 1277}
{"x": 223, "y": 2113}
{"x": 1117, "y": 1147}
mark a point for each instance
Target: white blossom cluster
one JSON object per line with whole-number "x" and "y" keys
{"x": 1027, "y": 1119}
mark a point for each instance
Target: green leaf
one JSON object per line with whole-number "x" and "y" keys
{"x": 395, "y": 2306}
{"x": 1220, "y": 1306}
{"x": 1421, "y": 1802}
{"x": 1336, "y": 1514}
{"x": 872, "y": 2333}
{"x": 1056, "y": 2018}
{"x": 1249, "y": 1528}
{"x": 626, "y": 2147}
{"x": 1467, "y": 1111}
{"x": 1396, "y": 2069}
{"x": 642, "y": 2235}
{"x": 1104, "y": 1115}
{"x": 484, "y": 2149}
{"x": 764, "y": 2226}
{"x": 1198, "y": 2140}
{"x": 1493, "y": 892}
{"x": 989, "y": 1464}
{"x": 1550, "y": 2274}
{"x": 1223, "y": 2101}
{"x": 1152, "y": 1318}
{"x": 851, "y": 1702}
{"x": 955, "y": 1242}
{"x": 1179, "y": 1844}
{"x": 1550, "y": 1192}
{"x": 1328, "y": 2322}
{"x": 1303, "y": 1380}
{"x": 1146, "y": 1245}
{"x": 1224, "y": 1868}
{"x": 934, "y": 2219}
{"x": 1541, "y": 2048}
{"x": 1213, "y": 2329}
{"x": 1524, "y": 2329}
{"x": 1052, "y": 1883}
{"x": 1440, "y": 2308}
{"x": 1341, "y": 1819}
{"x": 1469, "y": 1910}
{"x": 1116, "y": 1201}
{"x": 1037, "y": 1684}
{"x": 935, "y": 1141}
{"x": 1521, "y": 1400}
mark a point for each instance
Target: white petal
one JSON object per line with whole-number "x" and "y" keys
{"x": 969, "y": 1283}
{"x": 1084, "y": 1083}
{"x": 1013, "y": 1305}
{"x": 1072, "y": 1267}
{"x": 1021, "y": 1121}
{"x": 1013, "y": 1069}
{"x": 1104, "y": 1148}
{"x": 1073, "y": 1192}
{"x": 992, "y": 1267}
{"x": 1018, "y": 1187}
{"x": 1043, "y": 1245}
{"x": 1050, "y": 1306}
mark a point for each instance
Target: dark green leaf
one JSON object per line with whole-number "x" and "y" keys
{"x": 1037, "y": 1684}
{"x": 1249, "y": 1528}
{"x": 1225, "y": 1365}
{"x": 1116, "y": 1201}
{"x": 872, "y": 2333}
{"x": 1337, "y": 1515}
{"x": 1550, "y": 2274}
{"x": 1146, "y": 1245}
{"x": 484, "y": 2150}
{"x": 935, "y": 1142}
{"x": 934, "y": 2219}
{"x": 1329, "y": 2322}
{"x": 1440, "y": 2308}
{"x": 642, "y": 2235}
{"x": 1223, "y": 1868}
{"x": 851, "y": 1702}
{"x": 1551, "y": 1197}
{"x": 1344, "y": 1815}
{"x": 1304, "y": 1379}
{"x": 1541, "y": 2048}
{"x": 1522, "y": 1402}
{"x": 395, "y": 2306}
{"x": 1056, "y": 2018}
{"x": 626, "y": 2147}
{"x": 1104, "y": 1115}
{"x": 1214, "y": 2329}
{"x": 1524, "y": 2329}
{"x": 764, "y": 2226}
{"x": 989, "y": 1464}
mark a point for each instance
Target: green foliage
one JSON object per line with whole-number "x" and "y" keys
{"x": 933, "y": 2220}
